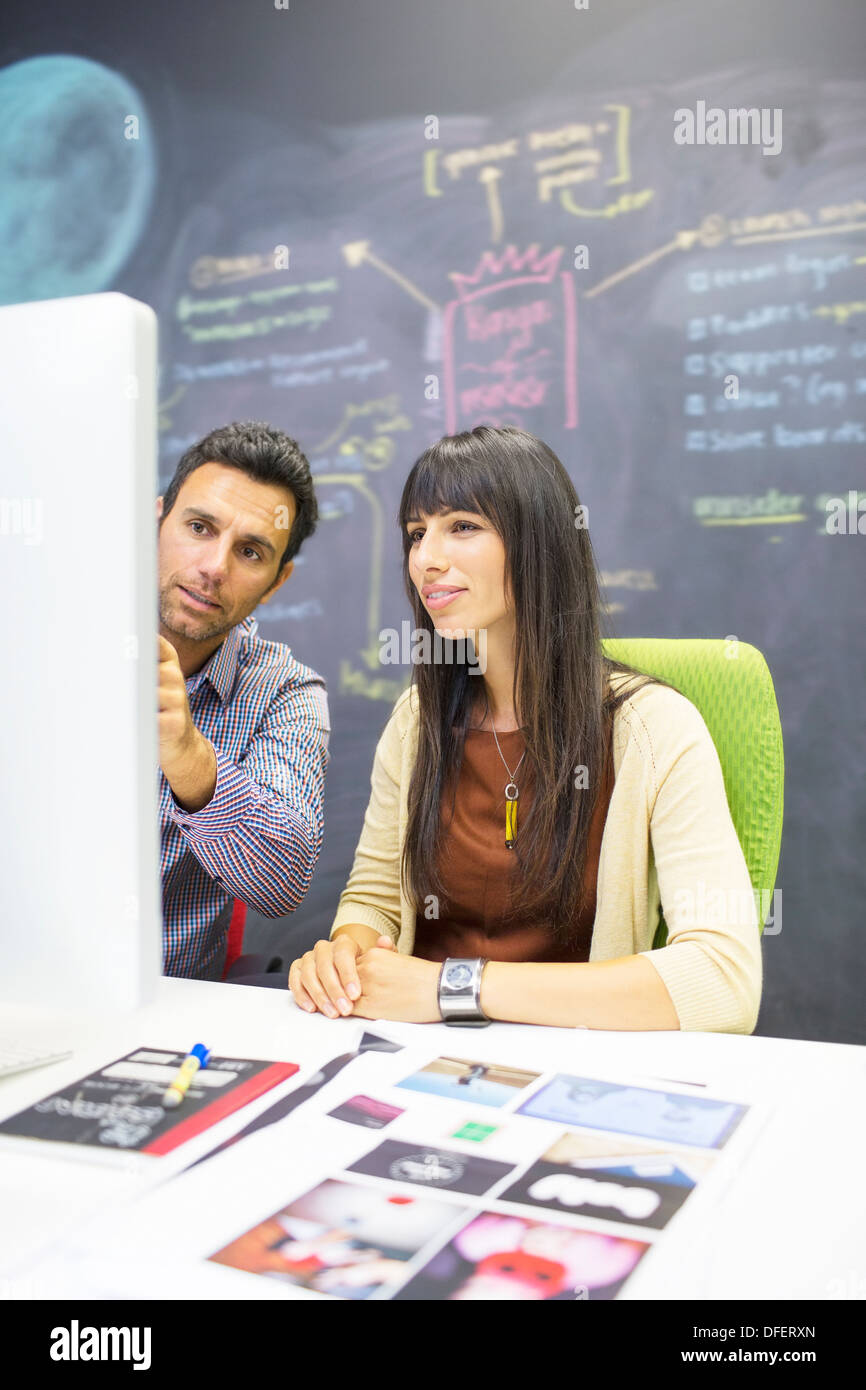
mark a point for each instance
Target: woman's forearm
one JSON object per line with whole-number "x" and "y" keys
{"x": 621, "y": 994}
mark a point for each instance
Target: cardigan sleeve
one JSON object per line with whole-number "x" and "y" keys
{"x": 711, "y": 964}
{"x": 372, "y": 893}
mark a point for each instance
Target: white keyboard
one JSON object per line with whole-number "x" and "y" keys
{"x": 19, "y": 1055}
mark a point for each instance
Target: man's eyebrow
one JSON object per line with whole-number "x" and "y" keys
{"x": 207, "y": 516}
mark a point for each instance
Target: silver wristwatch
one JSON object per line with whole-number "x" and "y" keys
{"x": 460, "y": 992}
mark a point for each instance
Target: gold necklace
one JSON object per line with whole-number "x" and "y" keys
{"x": 511, "y": 790}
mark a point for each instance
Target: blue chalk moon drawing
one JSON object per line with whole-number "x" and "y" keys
{"x": 75, "y": 191}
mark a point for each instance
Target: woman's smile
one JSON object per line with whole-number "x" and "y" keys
{"x": 439, "y": 595}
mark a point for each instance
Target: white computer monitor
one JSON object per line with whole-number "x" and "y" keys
{"x": 80, "y": 920}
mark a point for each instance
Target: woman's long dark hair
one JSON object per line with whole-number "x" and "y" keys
{"x": 561, "y": 694}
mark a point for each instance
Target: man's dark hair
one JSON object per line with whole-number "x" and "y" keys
{"x": 263, "y": 453}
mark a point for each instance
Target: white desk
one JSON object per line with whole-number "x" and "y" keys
{"x": 790, "y": 1224}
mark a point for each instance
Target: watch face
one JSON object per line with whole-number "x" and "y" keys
{"x": 458, "y": 976}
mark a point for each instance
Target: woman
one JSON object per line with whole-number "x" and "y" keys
{"x": 532, "y": 819}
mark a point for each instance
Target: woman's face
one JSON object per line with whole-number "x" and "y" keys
{"x": 457, "y": 564}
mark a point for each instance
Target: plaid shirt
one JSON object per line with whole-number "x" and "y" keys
{"x": 259, "y": 836}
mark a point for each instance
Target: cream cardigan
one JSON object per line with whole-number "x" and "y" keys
{"x": 668, "y": 839}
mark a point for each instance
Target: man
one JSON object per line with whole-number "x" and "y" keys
{"x": 243, "y": 727}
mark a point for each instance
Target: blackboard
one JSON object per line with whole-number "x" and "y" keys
{"x": 682, "y": 323}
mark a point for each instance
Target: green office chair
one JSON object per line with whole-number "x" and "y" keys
{"x": 730, "y": 683}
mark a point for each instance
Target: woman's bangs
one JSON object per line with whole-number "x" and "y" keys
{"x": 440, "y": 484}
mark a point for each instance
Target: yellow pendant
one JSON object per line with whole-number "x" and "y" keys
{"x": 510, "y": 822}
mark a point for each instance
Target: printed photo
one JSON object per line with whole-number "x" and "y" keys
{"x": 432, "y": 1167}
{"x": 610, "y": 1178}
{"x": 635, "y": 1157}
{"x": 665, "y": 1115}
{"x": 455, "y": 1078}
{"x": 364, "y": 1110}
{"x": 340, "y": 1238}
{"x": 512, "y": 1257}
{"x": 473, "y": 1132}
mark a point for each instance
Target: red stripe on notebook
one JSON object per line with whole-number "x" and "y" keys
{"x": 218, "y": 1109}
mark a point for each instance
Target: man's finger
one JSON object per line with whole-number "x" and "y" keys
{"x": 386, "y": 943}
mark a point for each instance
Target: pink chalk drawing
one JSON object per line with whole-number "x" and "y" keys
{"x": 513, "y": 324}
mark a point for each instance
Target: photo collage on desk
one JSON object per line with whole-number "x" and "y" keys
{"x": 502, "y": 1184}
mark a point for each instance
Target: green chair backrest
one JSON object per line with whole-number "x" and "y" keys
{"x": 730, "y": 683}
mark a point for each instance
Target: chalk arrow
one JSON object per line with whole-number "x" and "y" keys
{"x": 490, "y": 177}
{"x": 358, "y": 252}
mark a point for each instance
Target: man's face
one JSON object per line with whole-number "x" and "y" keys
{"x": 219, "y": 550}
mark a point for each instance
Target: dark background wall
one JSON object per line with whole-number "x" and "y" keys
{"x": 434, "y": 283}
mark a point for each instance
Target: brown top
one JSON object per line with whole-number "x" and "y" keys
{"x": 478, "y": 871}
